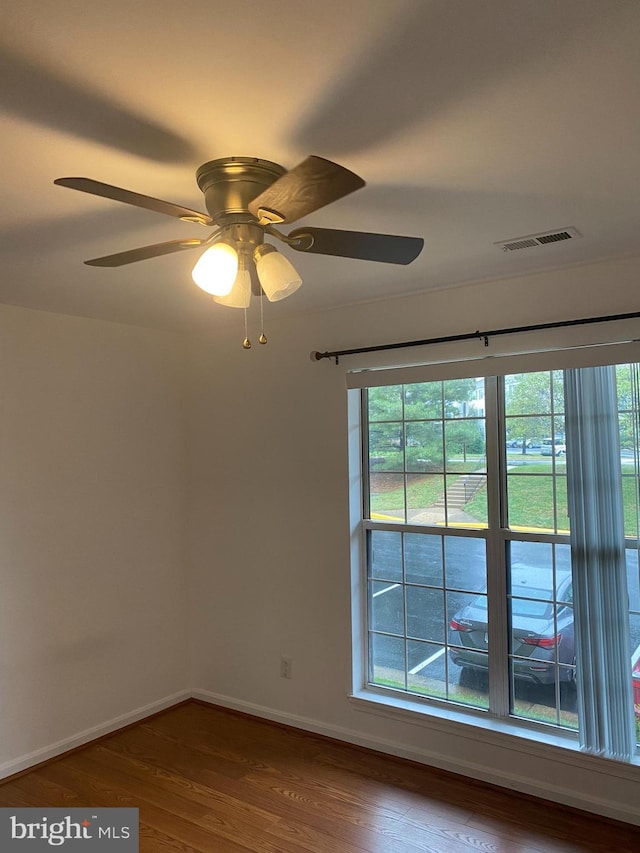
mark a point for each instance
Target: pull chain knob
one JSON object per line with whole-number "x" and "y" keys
{"x": 246, "y": 343}
{"x": 262, "y": 339}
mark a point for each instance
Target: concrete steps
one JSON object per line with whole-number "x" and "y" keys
{"x": 460, "y": 493}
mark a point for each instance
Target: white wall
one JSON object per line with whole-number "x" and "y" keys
{"x": 111, "y": 487}
{"x": 270, "y": 532}
{"x": 92, "y": 528}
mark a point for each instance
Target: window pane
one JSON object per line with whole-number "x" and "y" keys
{"x": 528, "y": 394}
{"x": 387, "y": 661}
{"x": 459, "y": 607}
{"x": 524, "y": 438}
{"x": 424, "y": 446}
{"x": 531, "y": 572}
{"x": 557, "y": 381}
{"x": 631, "y": 506}
{"x": 423, "y": 401}
{"x": 462, "y": 397}
{"x": 385, "y": 403}
{"x": 471, "y": 686}
{"x": 553, "y": 704}
{"x": 536, "y": 452}
{"x": 386, "y": 496}
{"x": 465, "y": 445}
{"x": 386, "y": 447}
{"x": 425, "y": 613}
{"x": 385, "y": 555}
{"x": 386, "y": 607}
{"x": 423, "y": 559}
{"x": 562, "y": 512}
{"x": 531, "y": 500}
{"x": 468, "y": 646}
{"x": 427, "y": 669}
{"x": 425, "y": 498}
{"x": 541, "y": 641}
{"x": 465, "y": 563}
{"x": 467, "y": 500}
{"x": 430, "y": 674}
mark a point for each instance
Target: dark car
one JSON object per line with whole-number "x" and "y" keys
{"x": 541, "y": 628}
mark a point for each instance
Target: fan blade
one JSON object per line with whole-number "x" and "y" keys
{"x": 144, "y": 252}
{"x": 388, "y": 248}
{"x": 87, "y": 185}
{"x": 308, "y": 186}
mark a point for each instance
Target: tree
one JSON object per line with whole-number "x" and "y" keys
{"x": 410, "y": 419}
{"x": 534, "y": 397}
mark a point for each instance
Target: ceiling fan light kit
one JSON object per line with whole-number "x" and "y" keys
{"x": 246, "y": 197}
{"x": 277, "y": 275}
{"x": 216, "y": 269}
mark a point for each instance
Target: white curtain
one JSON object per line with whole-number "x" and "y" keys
{"x": 601, "y": 609}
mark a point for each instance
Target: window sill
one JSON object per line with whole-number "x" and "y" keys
{"x": 539, "y": 742}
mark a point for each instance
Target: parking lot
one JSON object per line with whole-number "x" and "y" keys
{"x": 425, "y": 600}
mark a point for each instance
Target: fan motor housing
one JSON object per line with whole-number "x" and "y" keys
{"x": 230, "y": 183}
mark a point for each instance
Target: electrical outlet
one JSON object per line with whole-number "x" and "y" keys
{"x": 286, "y": 667}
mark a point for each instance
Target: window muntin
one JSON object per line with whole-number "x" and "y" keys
{"x": 535, "y": 451}
{"x": 426, "y": 452}
{"x": 419, "y": 658}
{"x": 541, "y": 636}
{"x": 416, "y": 584}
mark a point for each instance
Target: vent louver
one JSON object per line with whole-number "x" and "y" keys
{"x": 531, "y": 241}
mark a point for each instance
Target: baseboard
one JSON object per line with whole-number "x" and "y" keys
{"x": 25, "y": 762}
{"x": 511, "y": 781}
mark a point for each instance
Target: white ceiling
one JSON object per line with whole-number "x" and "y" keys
{"x": 472, "y": 121}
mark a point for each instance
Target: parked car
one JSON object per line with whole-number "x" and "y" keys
{"x": 530, "y": 444}
{"x": 553, "y": 446}
{"x": 537, "y": 640}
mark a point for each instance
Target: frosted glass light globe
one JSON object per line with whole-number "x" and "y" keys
{"x": 278, "y": 276}
{"x": 216, "y": 269}
{"x": 240, "y": 294}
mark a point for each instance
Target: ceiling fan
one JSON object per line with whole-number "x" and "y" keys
{"x": 246, "y": 198}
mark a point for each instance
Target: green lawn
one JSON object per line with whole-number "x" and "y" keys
{"x": 530, "y": 494}
{"x": 423, "y": 490}
{"x": 530, "y": 497}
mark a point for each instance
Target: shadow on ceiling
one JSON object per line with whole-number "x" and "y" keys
{"x": 127, "y": 228}
{"x": 441, "y": 53}
{"x": 43, "y": 96}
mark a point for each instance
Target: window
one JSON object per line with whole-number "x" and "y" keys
{"x": 469, "y": 576}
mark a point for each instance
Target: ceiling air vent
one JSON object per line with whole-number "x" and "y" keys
{"x": 531, "y": 241}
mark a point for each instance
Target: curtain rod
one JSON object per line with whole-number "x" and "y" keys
{"x": 484, "y": 336}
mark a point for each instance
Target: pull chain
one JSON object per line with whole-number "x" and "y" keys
{"x": 262, "y": 339}
{"x": 246, "y": 343}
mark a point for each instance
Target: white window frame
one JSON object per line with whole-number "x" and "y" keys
{"x": 446, "y": 716}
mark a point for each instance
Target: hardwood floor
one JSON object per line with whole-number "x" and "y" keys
{"x": 209, "y": 780}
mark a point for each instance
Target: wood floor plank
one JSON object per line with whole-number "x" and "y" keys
{"x": 225, "y": 818}
{"x": 208, "y": 780}
{"x": 146, "y": 773}
{"x": 102, "y": 793}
